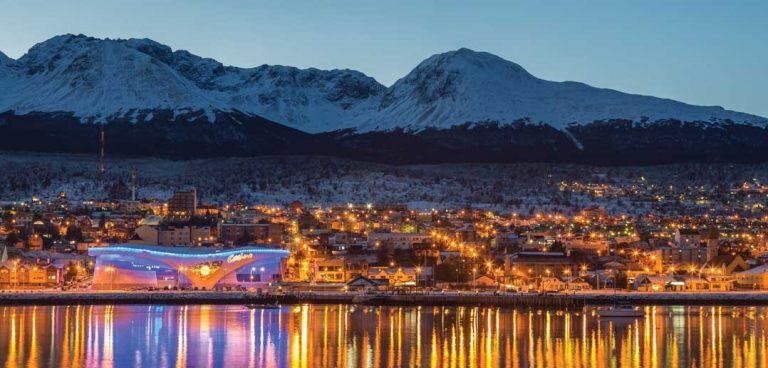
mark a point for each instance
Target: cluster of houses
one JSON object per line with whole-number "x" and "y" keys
{"x": 23, "y": 273}
{"x": 390, "y": 245}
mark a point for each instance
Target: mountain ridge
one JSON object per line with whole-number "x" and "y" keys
{"x": 97, "y": 79}
{"x": 101, "y": 79}
{"x": 458, "y": 106}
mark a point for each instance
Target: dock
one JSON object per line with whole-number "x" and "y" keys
{"x": 464, "y": 298}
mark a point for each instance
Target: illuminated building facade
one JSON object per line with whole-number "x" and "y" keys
{"x": 230, "y": 233}
{"x": 16, "y": 276}
{"x": 183, "y": 203}
{"x": 127, "y": 266}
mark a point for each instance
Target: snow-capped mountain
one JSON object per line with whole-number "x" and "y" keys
{"x": 459, "y": 106}
{"x": 99, "y": 79}
{"x": 465, "y": 86}
{"x": 96, "y": 79}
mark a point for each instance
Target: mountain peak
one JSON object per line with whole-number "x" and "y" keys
{"x": 59, "y": 41}
{"x": 466, "y": 60}
{"x": 454, "y": 76}
{"x": 467, "y": 86}
{"x": 4, "y": 59}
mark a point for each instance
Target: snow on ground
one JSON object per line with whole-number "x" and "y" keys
{"x": 520, "y": 188}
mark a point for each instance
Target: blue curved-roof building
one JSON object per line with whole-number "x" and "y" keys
{"x": 128, "y": 266}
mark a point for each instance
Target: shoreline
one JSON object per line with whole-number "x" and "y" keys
{"x": 490, "y": 299}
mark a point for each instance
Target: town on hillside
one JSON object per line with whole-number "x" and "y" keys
{"x": 182, "y": 244}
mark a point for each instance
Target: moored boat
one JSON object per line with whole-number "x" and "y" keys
{"x": 621, "y": 311}
{"x": 262, "y": 306}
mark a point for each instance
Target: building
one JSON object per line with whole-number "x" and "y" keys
{"x": 467, "y": 233}
{"x": 126, "y": 266}
{"x": 537, "y": 264}
{"x": 593, "y": 213}
{"x": 756, "y": 278}
{"x": 364, "y": 283}
{"x": 683, "y": 256}
{"x": 585, "y": 244}
{"x": 397, "y": 240}
{"x": 236, "y": 233}
{"x": 25, "y": 276}
{"x": 484, "y": 281}
{"x": 720, "y": 282}
{"x": 538, "y": 242}
{"x": 337, "y": 269}
{"x": 329, "y": 270}
{"x": 171, "y": 235}
{"x": 576, "y": 283}
{"x": 204, "y": 211}
{"x": 396, "y": 276}
{"x": 712, "y": 240}
{"x": 15, "y": 274}
{"x": 552, "y": 284}
{"x": 657, "y": 283}
{"x": 692, "y": 247}
{"x": 725, "y": 264}
{"x": 687, "y": 237}
{"x": 693, "y": 282}
{"x": 35, "y": 242}
{"x": 183, "y": 203}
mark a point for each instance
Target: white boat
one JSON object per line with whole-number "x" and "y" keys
{"x": 262, "y": 306}
{"x": 621, "y": 311}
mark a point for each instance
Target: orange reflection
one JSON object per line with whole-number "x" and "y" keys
{"x": 357, "y": 336}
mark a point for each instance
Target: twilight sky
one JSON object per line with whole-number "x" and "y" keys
{"x": 704, "y": 52}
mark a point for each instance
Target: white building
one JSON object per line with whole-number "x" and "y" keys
{"x": 397, "y": 240}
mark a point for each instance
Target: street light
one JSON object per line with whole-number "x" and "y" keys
{"x": 418, "y": 273}
{"x": 457, "y": 277}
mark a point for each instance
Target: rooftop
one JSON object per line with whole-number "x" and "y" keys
{"x": 183, "y": 251}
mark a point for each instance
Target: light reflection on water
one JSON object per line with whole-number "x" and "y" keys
{"x": 348, "y": 336}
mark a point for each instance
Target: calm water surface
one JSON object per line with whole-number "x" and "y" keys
{"x": 348, "y": 336}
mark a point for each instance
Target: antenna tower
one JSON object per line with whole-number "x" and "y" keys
{"x": 133, "y": 183}
{"x": 101, "y": 158}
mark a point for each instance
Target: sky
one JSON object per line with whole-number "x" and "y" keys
{"x": 697, "y": 51}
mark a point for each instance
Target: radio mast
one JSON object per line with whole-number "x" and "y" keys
{"x": 133, "y": 183}
{"x": 101, "y": 158}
